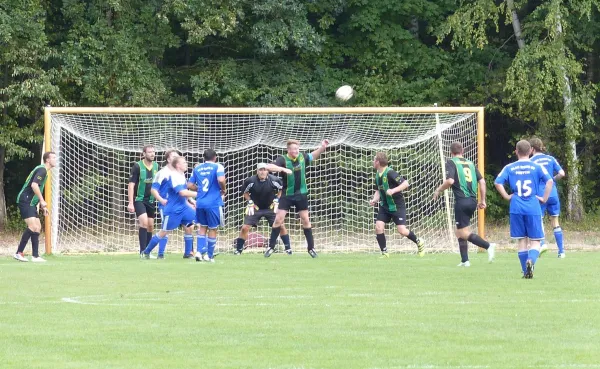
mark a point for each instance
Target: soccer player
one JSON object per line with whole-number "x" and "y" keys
{"x": 177, "y": 210}
{"x": 552, "y": 206}
{"x": 294, "y": 192}
{"x": 388, "y": 194}
{"x": 523, "y": 177}
{"x": 27, "y": 200}
{"x": 209, "y": 180}
{"x": 465, "y": 180}
{"x": 262, "y": 191}
{"x": 141, "y": 200}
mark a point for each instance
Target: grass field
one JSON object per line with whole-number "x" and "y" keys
{"x": 337, "y": 311}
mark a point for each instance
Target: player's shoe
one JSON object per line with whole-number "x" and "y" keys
{"x": 152, "y": 256}
{"x": 198, "y": 256}
{"x": 313, "y": 254}
{"x": 543, "y": 250}
{"x": 143, "y": 255}
{"x": 38, "y": 259}
{"x": 562, "y": 255}
{"x": 19, "y": 256}
{"x": 529, "y": 270}
{"x": 289, "y": 251}
{"x": 211, "y": 260}
{"x": 160, "y": 257}
{"x": 237, "y": 252}
{"x": 269, "y": 252}
{"x": 420, "y": 247}
{"x": 466, "y": 264}
{"x": 384, "y": 255}
{"x": 205, "y": 257}
{"x": 491, "y": 252}
{"x": 188, "y": 256}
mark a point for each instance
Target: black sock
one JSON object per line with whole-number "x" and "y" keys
{"x": 143, "y": 237}
{"x": 24, "y": 239}
{"x": 310, "y": 241}
{"x": 35, "y": 244}
{"x": 411, "y": 236}
{"x": 148, "y": 238}
{"x": 463, "y": 246}
{"x": 239, "y": 244}
{"x": 285, "y": 238}
{"x": 475, "y": 239}
{"x": 381, "y": 241}
{"x": 274, "y": 234}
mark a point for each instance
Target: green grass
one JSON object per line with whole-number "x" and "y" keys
{"x": 337, "y": 311}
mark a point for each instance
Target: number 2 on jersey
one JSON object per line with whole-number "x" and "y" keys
{"x": 524, "y": 188}
{"x": 205, "y": 184}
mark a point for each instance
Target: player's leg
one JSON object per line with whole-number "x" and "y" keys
{"x": 188, "y": 220}
{"x": 554, "y": 212}
{"x": 543, "y": 246}
{"x": 535, "y": 233}
{"x": 381, "y": 219}
{"x": 399, "y": 218}
{"x": 34, "y": 227}
{"x": 518, "y": 232}
{"x": 307, "y": 228}
{"x": 249, "y": 222}
{"x": 214, "y": 217}
{"x": 151, "y": 214}
{"x": 285, "y": 238}
{"x": 29, "y": 215}
{"x": 202, "y": 221}
{"x": 285, "y": 202}
{"x": 463, "y": 211}
{"x": 140, "y": 212}
{"x": 161, "y": 237}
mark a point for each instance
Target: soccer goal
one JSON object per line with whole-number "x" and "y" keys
{"x": 87, "y": 192}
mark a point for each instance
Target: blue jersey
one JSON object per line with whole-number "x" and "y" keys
{"x": 176, "y": 203}
{"x": 161, "y": 183}
{"x": 552, "y": 167}
{"x": 205, "y": 177}
{"x": 523, "y": 177}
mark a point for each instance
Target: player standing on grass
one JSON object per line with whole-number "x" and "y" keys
{"x": 465, "y": 180}
{"x": 295, "y": 193}
{"x": 388, "y": 194}
{"x": 141, "y": 200}
{"x": 553, "y": 204}
{"x": 262, "y": 191}
{"x": 209, "y": 180}
{"x": 27, "y": 200}
{"x": 177, "y": 211}
{"x": 523, "y": 177}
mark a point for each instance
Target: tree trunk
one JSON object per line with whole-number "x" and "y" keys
{"x": 516, "y": 24}
{"x": 3, "y": 213}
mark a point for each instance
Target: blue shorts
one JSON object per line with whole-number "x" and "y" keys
{"x": 171, "y": 221}
{"x": 210, "y": 217}
{"x": 552, "y": 206}
{"x": 530, "y": 226}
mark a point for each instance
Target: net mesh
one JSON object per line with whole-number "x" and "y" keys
{"x": 96, "y": 152}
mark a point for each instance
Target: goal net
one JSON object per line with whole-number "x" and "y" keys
{"x": 97, "y": 147}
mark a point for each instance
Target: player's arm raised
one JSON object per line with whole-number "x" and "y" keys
{"x": 277, "y": 169}
{"x": 315, "y": 154}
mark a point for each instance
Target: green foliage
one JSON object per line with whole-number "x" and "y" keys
{"x": 497, "y": 207}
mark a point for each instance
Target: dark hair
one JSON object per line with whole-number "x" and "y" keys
{"x": 456, "y": 148}
{"x": 146, "y": 147}
{"x": 382, "y": 158}
{"x": 46, "y": 155}
{"x": 210, "y": 154}
{"x": 537, "y": 144}
{"x": 523, "y": 147}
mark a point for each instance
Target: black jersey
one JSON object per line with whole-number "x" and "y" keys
{"x": 262, "y": 192}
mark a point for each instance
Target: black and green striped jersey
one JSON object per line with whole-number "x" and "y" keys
{"x": 26, "y": 195}
{"x": 465, "y": 176}
{"x": 385, "y": 180}
{"x": 295, "y": 183}
{"x": 143, "y": 176}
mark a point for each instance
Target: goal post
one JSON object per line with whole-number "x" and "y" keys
{"x": 86, "y": 193}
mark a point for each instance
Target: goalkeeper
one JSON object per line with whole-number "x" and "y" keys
{"x": 262, "y": 191}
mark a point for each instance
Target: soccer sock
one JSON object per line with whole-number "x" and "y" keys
{"x": 558, "y": 235}
{"x": 285, "y": 238}
{"x": 35, "y": 244}
{"x": 523, "y": 256}
{"x": 189, "y": 243}
{"x": 148, "y": 237}
{"x": 239, "y": 244}
{"x": 212, "y": 242}
{"x": 381, "y": 241}
{"x": 201, "y": 243}
{"x": 162, "y": 245}
{"x": 24, "y": 239}
{"x": 478, "y": 241}
{"x": 153, "y": 242}
{"x": 274, "y": 234}
{"x": 542, "y": 243}
{"x": 310, "y": 241}
{"x": 533, "y": 255}
{"x": 463, "y": 247}
{"x": 411, "y": 236}
{"x": 143, "y": 237}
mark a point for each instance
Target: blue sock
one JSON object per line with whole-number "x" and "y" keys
{"x": 189, "y": 244}
{"x": 162, "y": 245}
{"x": 153, "y": 242}
{"x": 286, "y": 241}
{"x": 523, "y": 256}
{"x": 201, "y": 246}
{"x": 212, "y": 242}
{"x": 542, "y": 243}
{"x": 533, "y": 255}
{"x": 558, "y": 235}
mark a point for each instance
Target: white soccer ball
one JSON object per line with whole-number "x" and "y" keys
{"x": 344, "y": 93}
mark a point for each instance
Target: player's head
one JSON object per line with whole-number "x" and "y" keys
{"x": 380, "y": 160}
{"x": 50, "y": 159}
{"x": 148, "y": 152}
{"x": 537, "y": 145}
{"x": 170, "y": 155}
{"x": 210, "y": 155}
{"x": 180, "y": 164}
{"x": 261, "y": 171}
{"x": 293, "y": 148}
{"x": 456, "y": 148}
{"x": 523, "y": 149}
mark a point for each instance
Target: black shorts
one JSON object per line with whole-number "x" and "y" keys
{"x": 142, "y": 207}
{"x": 300, "y": 202}
{"x": 463, "y": 211}
{"x": 27, "y": 210}
{"x": 253, "y": 220}
{"x": 398, "y": 216}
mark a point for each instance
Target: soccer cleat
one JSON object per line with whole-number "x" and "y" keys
{"x": 19, "y": 256}
{"x": 491, "y": 252}
{"x": 237, "y": 252}
{"x": 198, "y": 256}
{"x": 145, "y": 256}
{"x": 543, "y": 250}
{"x": 289, "y": 251}
{"x": 420, "y": 247}
{"x": 188, "y": 256}
{"x": 529, "y": 270}
{"x": 562, "y": 255}
{"x": 211, "y": 260}
{"x": 384, "y": 255}
{"x": 466, "y": 264}
{"x": 160, "y": 257}
{"x": 313, "y": 254}
{"x": 205, "y": 257}
{"x": 38, "y": 259}
{"x": 269, "y": 252}
{"x": 151, "y": 256}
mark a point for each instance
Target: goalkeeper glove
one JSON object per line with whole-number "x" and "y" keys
{"x": 275, "y": 205}
{"x": 250, "y": 208}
